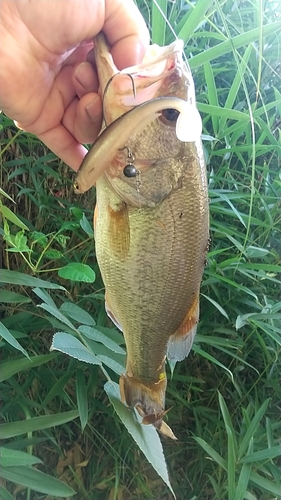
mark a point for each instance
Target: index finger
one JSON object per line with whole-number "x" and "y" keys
{"x": 126, "y": 32}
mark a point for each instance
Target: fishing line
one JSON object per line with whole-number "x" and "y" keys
{"x": 170, "y": 26}
{"x": 129, "y": 170}
{"x": 106, "y": 89}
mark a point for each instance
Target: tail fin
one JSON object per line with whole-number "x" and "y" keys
{"x": 148, "y": 399}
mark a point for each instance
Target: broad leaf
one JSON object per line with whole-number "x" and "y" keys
{"x": 94, "y": 334}
{"x": 66, "y": 343}
{"x": 112, "y": 364}
{"x": 76, "y": 271}
{"x": 146, "y": 436}
{"x": 77, "y": 313}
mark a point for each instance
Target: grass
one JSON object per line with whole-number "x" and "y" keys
{"x": 57, "y": 419}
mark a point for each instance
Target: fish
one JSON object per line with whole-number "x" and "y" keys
{"x": 151, "y": 219}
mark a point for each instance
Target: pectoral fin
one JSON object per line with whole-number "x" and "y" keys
{"x": 181, "y": 341}
{"x": 119, "y": 230}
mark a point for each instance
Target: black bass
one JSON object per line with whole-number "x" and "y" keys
{"x": 151, "y": 217}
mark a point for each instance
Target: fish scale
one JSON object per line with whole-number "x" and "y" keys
{"x": 144, "y": 297}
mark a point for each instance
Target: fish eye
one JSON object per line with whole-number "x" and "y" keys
{"x": 169, "y": 116}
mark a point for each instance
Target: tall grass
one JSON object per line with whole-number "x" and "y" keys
{"x": 57, "y": 420}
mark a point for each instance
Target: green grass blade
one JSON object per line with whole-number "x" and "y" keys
{"x": 7, "y": 297}
{"x": 37, "y": 481}
{"x": 265, "y": 484}
{"x": 16, "y": 365}
{"x": 15, "y": 457}
{"x": 158, "y": 19}
{"x": 18, "y": 428}
{"x": 236, "y": 42}
{"x": 228, "y": 424}
{"x": 10, "y": 216}
{"x": 56, "y": 389}
{"x": 244, "y": 477}
{"x": 234, "y": 89}
{"x": 262, "y": 455}
{"x": 212, "y": 95}
{"x": 252, "y": 429}
{"x": 211, "y": 358}
{"x": 217, "y": 306}
{"x": 16, "y": 278}
{"x": 193, "y": 18}
{"x": 213, "y": 453}
{"x": 82, "y": 398}
{"x": 231, "y": 465}
{"x": 10, "y": 339}
{"x": 5, "y": 495}
{"x": 231, "y": 114}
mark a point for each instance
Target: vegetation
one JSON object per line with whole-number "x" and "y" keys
{"x": 60, "y": 433}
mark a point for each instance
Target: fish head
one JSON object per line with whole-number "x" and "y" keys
{"x": 150, "y": 116}
{"x": 161, "y": 73}
{"x": 150, "y": 113}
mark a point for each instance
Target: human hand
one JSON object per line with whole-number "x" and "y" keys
{"x": 45, "y": 85}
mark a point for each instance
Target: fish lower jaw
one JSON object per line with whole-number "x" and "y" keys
{"x": 148, "y": 400}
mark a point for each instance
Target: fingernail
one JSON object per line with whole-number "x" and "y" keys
{"x": 80, "y": 72}
{"x": 93, "y": 109}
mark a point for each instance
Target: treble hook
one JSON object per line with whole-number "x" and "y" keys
{"x": 107, "y": 85}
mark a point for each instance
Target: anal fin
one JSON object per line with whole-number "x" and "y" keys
{"x": 181, "y": 341}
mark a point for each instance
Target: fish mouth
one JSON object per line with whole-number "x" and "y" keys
{"x": 161, "y": 73}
